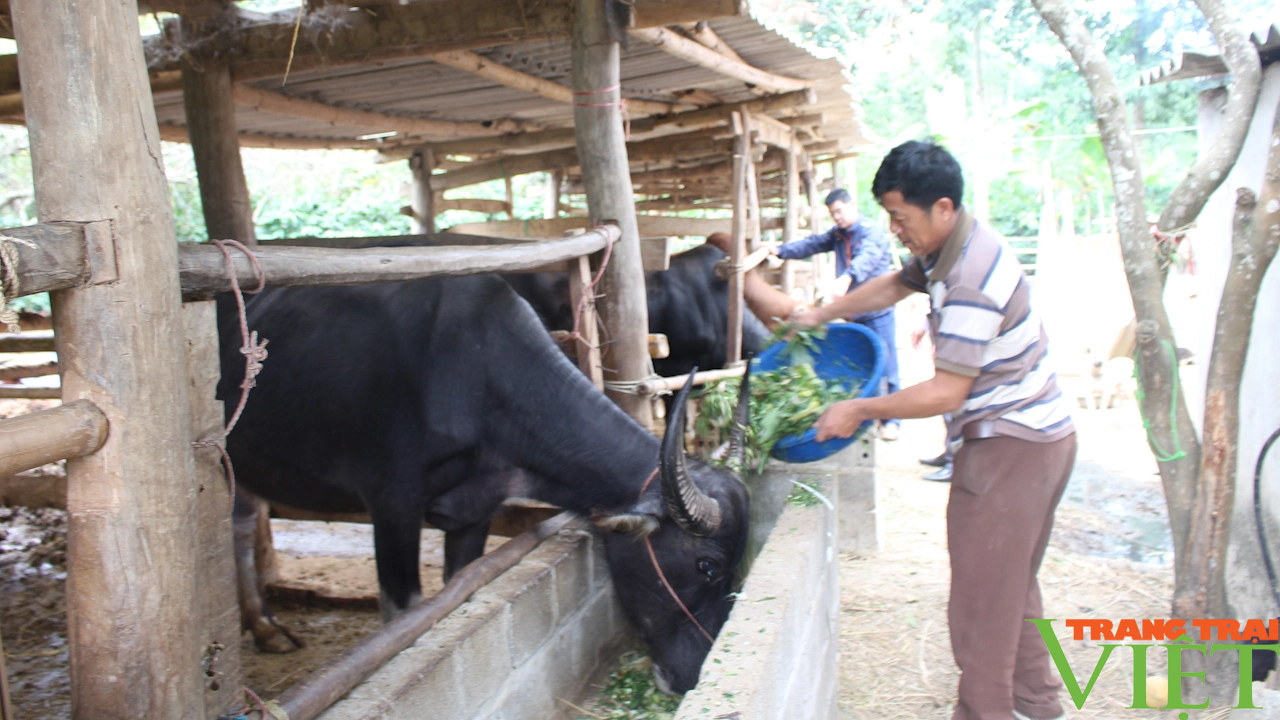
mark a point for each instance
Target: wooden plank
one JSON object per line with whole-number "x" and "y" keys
{"x": 33, "y": 341}
{"x": 17, "y": 370}
{"x": 70, "y": 430}
{"x": 771, "y": 132}
{"x": 18, "y": 392}
{"x": 606, "y": 177}
{"x": 696, "y": 53}
{"x": 50, "y": 257}
{"x": 203, "y": 270}
{"x": 655, "y": 253}
{"x": 132, "y": 554}
{"x": 656, "y": 13}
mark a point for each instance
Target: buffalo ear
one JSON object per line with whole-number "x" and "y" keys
{"x": 638, "y": 524}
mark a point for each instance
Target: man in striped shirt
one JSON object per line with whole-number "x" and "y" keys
{"x": 1010, "y": 427}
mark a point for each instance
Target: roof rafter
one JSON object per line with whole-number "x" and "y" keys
{"x": 699, "y": 54}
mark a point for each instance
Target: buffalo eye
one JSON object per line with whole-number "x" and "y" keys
{"x": 708, "y": 567}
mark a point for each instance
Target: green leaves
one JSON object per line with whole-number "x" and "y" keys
{"x": 784, "y": 402}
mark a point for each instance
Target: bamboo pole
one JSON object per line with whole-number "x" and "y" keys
{"x": 606, "y": 176}
{"x": 698, "y": 54}
{"x": 587, "y": 350}
{"x": 132, "y": 555}
{"x": 737, "y": 246}
{"x": 791, "y": 218}
{"x": 660, "y": 386}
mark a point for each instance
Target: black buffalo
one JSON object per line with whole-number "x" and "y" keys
{"x": 686, "y": 302}
{"x": 438, "y": 399}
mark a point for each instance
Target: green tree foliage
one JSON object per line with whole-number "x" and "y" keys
{"x": 987, "y": 78}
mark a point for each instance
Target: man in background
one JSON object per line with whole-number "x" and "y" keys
{"x": 862, "y": 253}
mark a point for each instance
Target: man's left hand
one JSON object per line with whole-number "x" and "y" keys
{"x": 840, "y": 420}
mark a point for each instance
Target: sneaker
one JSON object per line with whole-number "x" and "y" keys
{"x": 937, "y": 462}
{"x": 889, "y": 432}
{"x": 943, "y": 475}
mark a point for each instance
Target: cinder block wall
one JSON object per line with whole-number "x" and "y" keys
{"x": 776, "y": 656}
{"x": 537, "y": 633}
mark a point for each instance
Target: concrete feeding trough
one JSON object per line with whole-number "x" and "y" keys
{"x": 541, "y": 635}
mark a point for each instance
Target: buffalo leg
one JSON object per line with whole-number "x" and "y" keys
{"x": 463, "y": 546}
{"x": 397, "y": 532}
{"x": 269, "y": 635}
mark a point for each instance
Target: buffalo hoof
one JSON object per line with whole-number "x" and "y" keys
{"x": 275, "y": 637}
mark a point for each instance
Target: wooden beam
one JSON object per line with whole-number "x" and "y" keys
{"x": 683, "y": 147}
{"x": 67, "y": 431}
{"x": 211, "y": 125}
{"x": 771, "y": 132}
{"x": 178, "y": 133}
{"x": 34, "y": 341}
{"x": 650, "y": 225}
{"x": 203, "y": 270}
{"x": 17, "y": 370}
{"x": 482, "y": 66}
{"x": 791, "y": 217}
{"x": 280, "y": 104}
{"x": 696, "y": 53}
{"x": 703, "y": 34}
{"x": 807, "y": 120}
{"x": 132, "y": 550}
{"x": 564, "y": 137}
{"x": 417, "y": 29}
{"x": 738, "y": 238}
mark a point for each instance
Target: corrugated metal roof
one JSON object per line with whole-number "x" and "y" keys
{"x": 422, "y": 88}
{"x": 1197, "y": 65}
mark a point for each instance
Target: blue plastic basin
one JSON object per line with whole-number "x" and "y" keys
{"x": 850, "y": 352}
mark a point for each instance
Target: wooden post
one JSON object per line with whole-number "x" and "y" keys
{"x": 228, "y": 214}
{"x": 791, "y": 220}
{"x": 737, "y": 246}
{"x": 551, "y": 203}
{"x": 132, "y": 556}
{"x": 215, "y": 145}
{"x": 6, "y": 713}
{"x": 606, "y": 178}
{"x": 511, "y": 197}
{"x": 588, "y": 342}
{"x": 422, "y": 200}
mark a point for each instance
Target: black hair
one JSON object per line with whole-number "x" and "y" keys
{"x": 838, "y": 195}
{"x": 923, "y": 172}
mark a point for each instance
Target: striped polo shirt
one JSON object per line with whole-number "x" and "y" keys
{"x": 983, "y": 326}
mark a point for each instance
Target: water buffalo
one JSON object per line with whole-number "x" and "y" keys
{"x": 438, "y": 399}
{"x": 687, "y": 303}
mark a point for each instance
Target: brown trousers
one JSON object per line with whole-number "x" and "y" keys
{"x": 1003, "y": 495}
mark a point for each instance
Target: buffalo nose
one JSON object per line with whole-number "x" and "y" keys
{"x": 660, "y": 679}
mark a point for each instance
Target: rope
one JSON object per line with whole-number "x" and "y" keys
{"x": 1161, "y": 454}
{"x": 254, "y": 351}
{"x": 621, "y": 104}
{"x": 10, "y": 283}
{"x": 649, "y": 546}
{"x": 588, "y": 293}
{"x": 632, "y": 387}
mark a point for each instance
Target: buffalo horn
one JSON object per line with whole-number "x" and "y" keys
{"x": 694, "y": 511}
{"x": 741, "y": 418}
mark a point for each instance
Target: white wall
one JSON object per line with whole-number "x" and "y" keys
{"x": 1194, "y": 319}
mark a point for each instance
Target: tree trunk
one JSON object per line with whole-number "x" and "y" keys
{"x": 1189, "y": 197}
